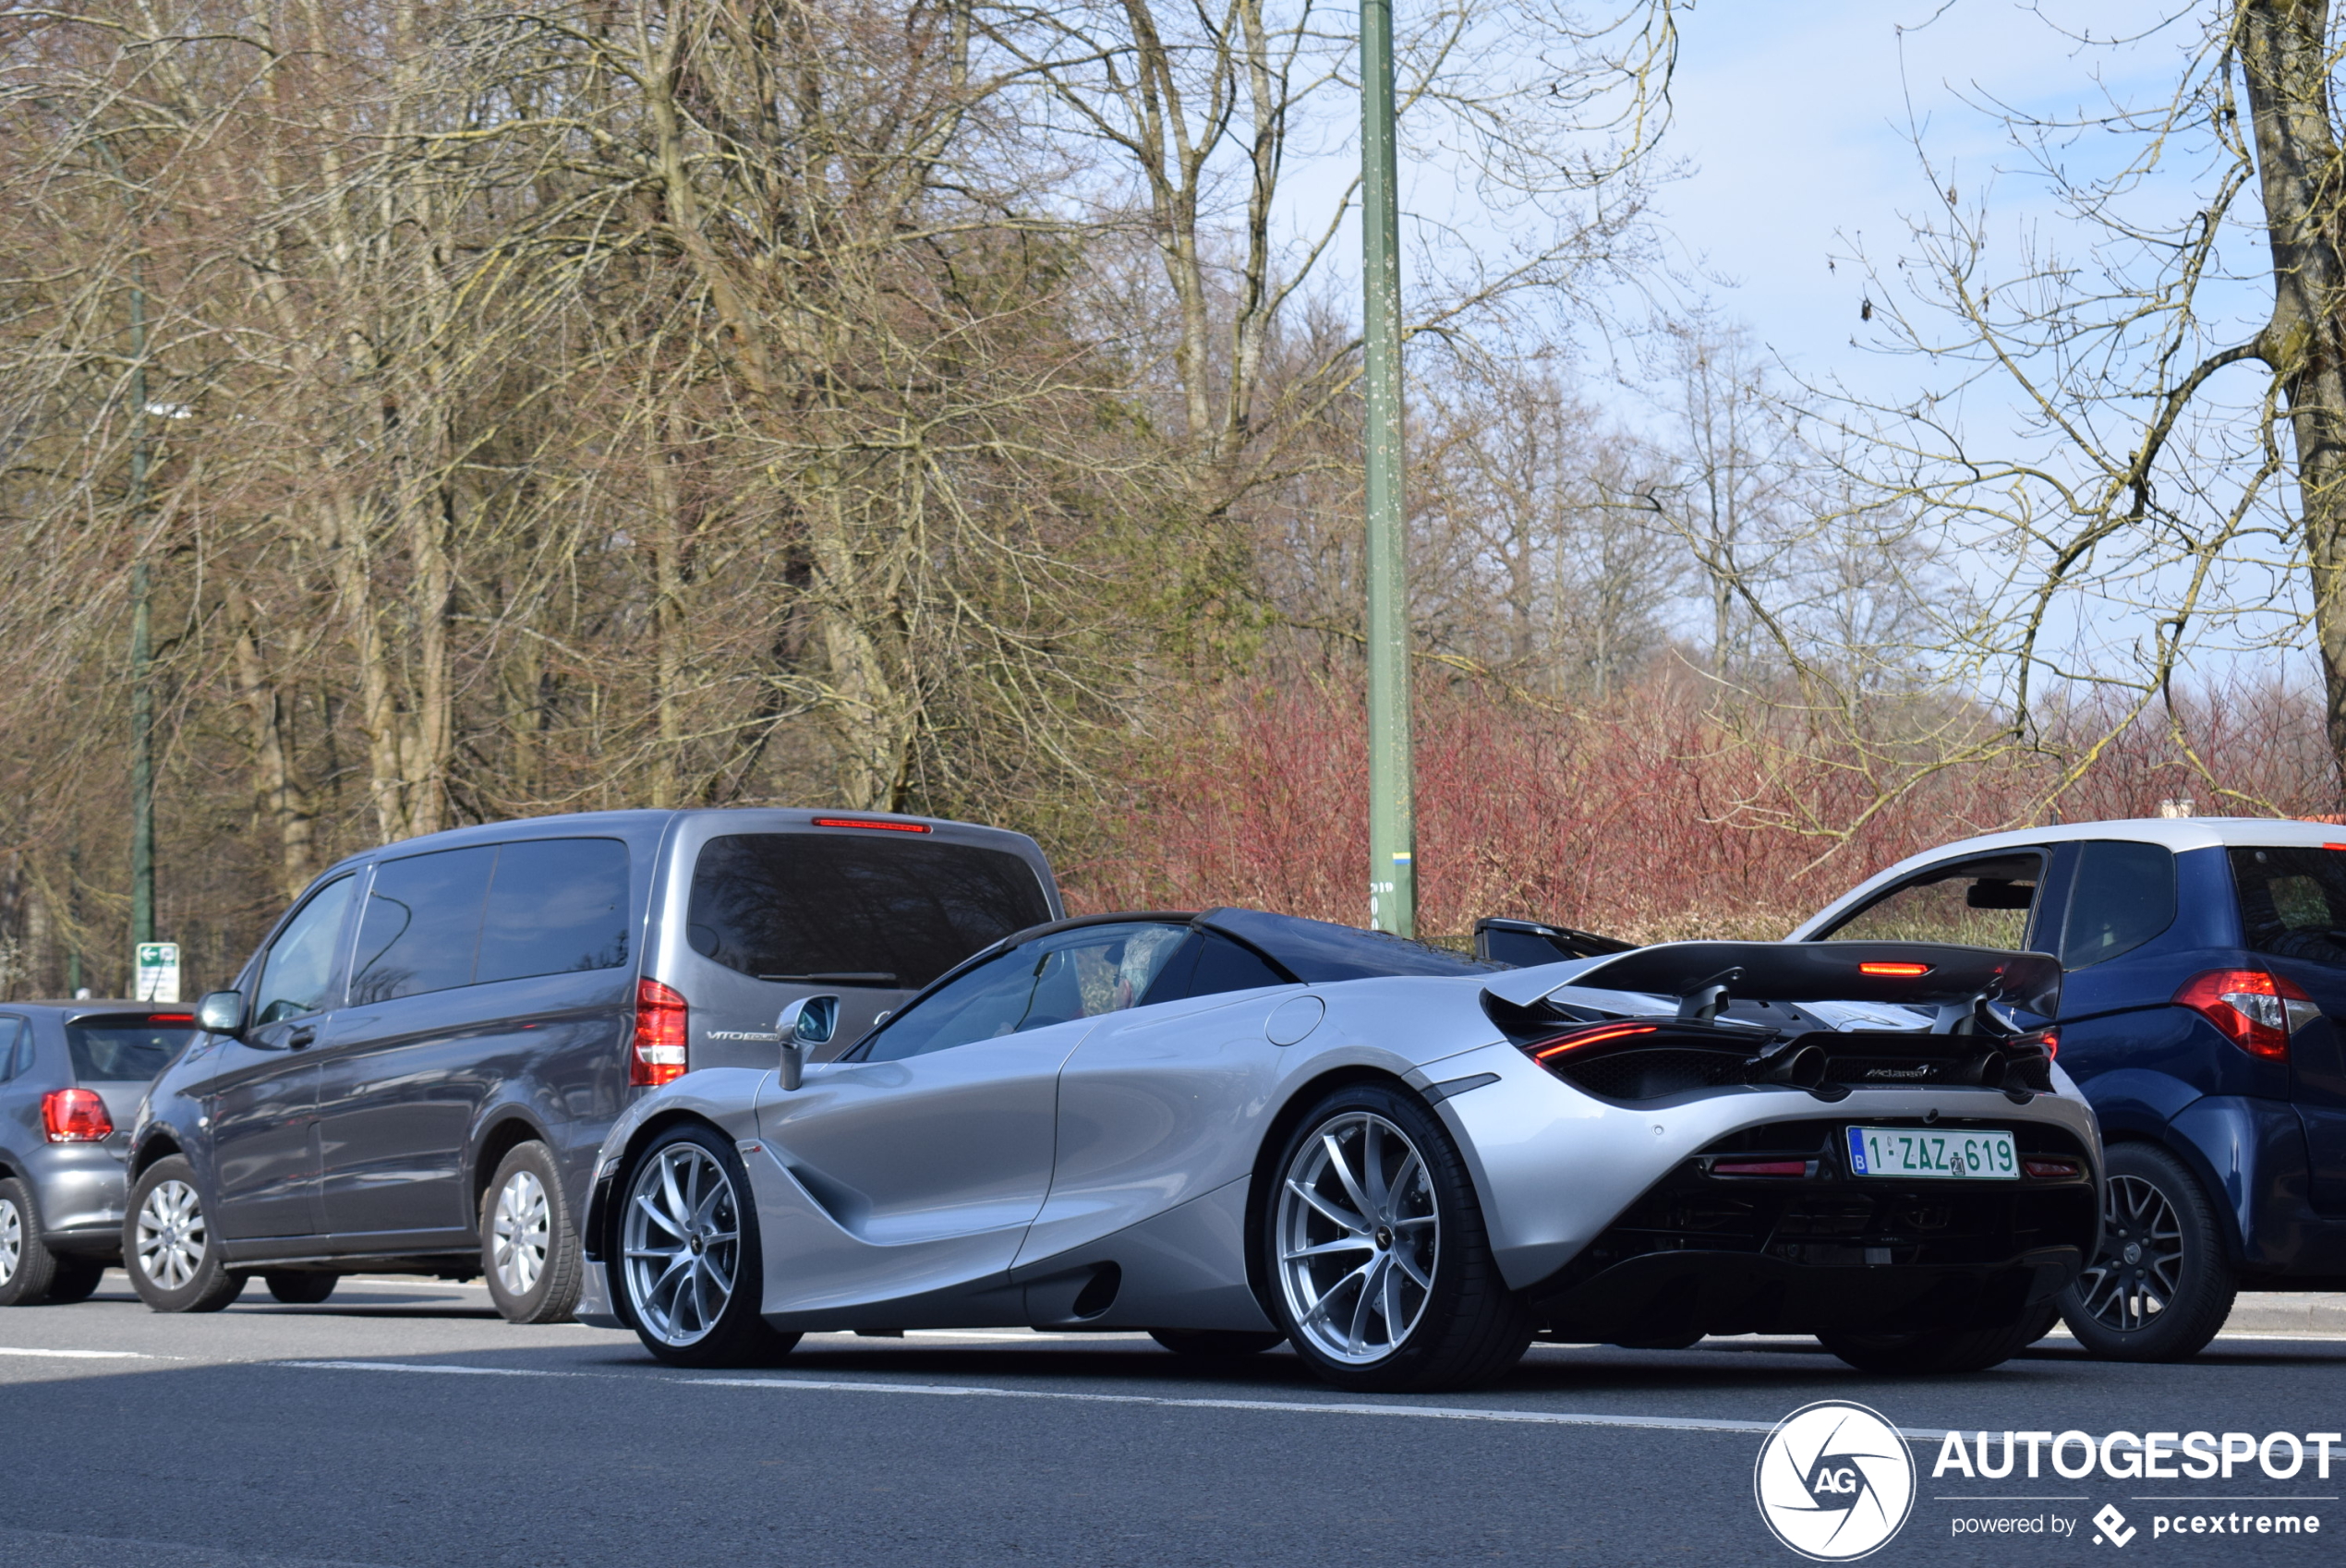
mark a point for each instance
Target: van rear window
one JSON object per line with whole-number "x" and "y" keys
{"x": 2292, "y": 901}
{"x": 831, "y": 908}
{"x": 125, "y": 1049}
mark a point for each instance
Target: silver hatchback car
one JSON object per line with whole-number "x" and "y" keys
{"x": 71, "y": 1075}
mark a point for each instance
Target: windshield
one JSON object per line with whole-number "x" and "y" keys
{"x": 829, "y": 909}
{"x": 126, "y": 1049}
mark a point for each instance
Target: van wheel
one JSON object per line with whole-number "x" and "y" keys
{"x": 2161, "y": 1285}
{"x": 299, "y": 1287}
{"x": 1373, "y": 1245}
{"x": 528, "y": 1249}
{"x": 30, "y": 1274}
{"x": 167, "y": 1246}
{"x": 1958, "y": 1350}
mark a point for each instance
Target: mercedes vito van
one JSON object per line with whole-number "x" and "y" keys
{"x": 413, "y": 1072}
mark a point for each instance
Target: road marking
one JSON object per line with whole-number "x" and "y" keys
{"x": 971, "y": 1391}
{"x": 86, "y": 1355}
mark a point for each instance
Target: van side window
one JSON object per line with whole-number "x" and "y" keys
{"x": 301, "y": 966}
{"x": 16, "y": 1048}
{"x": 555, "y": 906}
{"x": 422, "y": 926}
{"x": 2124, "y": 895}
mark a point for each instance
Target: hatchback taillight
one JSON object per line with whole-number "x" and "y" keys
{"x": 74, "y": 1115}
{"x": 2252, "y": 1008}
{"x": 661, "y": 1051}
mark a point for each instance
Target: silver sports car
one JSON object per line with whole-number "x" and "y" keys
{"x": 1234, "y": 1128}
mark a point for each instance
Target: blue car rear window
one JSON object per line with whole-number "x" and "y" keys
{"x": 2292, "y": 901}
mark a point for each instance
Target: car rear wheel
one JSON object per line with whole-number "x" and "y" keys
{"x": 1374, "y": 1243}
{"x": 167, "y": 1246}
{"x": 1957, "y": 1350}
{"x": 2161, "y": 1286}
{"x": 527, "y": 1249}
{"x": 689, "y": 1267}
{"x": 31, "y": 1275}
{"x": 299, "y": 1287}
{"x": 1216, "y": 1343}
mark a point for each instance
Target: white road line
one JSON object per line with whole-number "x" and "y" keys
{"x": 85, "y": 1354}
{"x": 445, "y": 1369}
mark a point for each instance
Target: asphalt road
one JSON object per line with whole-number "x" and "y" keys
{"x": 403, "y": 1424}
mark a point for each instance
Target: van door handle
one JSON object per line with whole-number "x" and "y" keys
{"x": 299, "y": 1038}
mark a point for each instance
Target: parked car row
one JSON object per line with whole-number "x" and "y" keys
{"x": 918, "y": 1095}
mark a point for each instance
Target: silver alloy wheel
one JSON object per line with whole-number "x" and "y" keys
{"x": 519, "y": 1232}
{"x": 681, "y": 1243}
{"x": 171, "y": 1234}
{"x": 1359, "y": 1238}
{"x": 2140, "y": 1268}
{"x": 11, "y": 1239}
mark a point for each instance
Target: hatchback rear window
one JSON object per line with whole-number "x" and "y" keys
{"x": 2292, "y": 901}
{"x": 126, "y": 1049}
{"x": 834, "y": 910}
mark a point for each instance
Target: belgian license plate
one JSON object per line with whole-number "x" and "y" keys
{"x": 1930, "y": 1152}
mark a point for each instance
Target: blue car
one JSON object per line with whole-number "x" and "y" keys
{"x": 2203, "y": 1015}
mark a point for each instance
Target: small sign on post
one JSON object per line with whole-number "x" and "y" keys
{"x": 158, "y": 971}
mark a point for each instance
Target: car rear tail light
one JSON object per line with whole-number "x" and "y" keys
{"x": 2048, "y": 1170}
{"x": 873, "y": 822}
{"x": 74, "y": 1115}
{"x": 2252, "y": 1008}
{"x": 1556, "y": 1046}
{"x": 662, "y": 1049}
{"x": 1910, "y": 971}
{"x": 1759, "y": 1167}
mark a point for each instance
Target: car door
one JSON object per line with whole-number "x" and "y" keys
{"x": 260, "y": 1097}
{"x": 929, "y": 1150}
{"x": 400, "y": 1068}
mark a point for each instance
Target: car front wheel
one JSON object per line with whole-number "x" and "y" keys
{"x": 1380, "y": 1267}
{"x": 527, "y": 1249}
{"x": 168, "y": 1248}
{"x": 2161, "y": 1285}
{"x": 689, "y": 1267}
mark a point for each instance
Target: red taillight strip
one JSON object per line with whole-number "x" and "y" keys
{"x": 1541, "y": 1050}
{"x": 2049, "y": 1170}
{"x": 1759, "y": 1167}
{"x": 873, "y": 822}
{"x": 1909, "y": 970}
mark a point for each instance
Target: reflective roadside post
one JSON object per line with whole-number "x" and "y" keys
{"x": 1393, "y": 884}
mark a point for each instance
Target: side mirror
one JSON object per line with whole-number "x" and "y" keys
{"x": 222, "y": 1012}
{"x": 807, "y": 1022}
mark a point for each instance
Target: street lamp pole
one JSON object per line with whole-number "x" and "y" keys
{"x": 1392, "y": 885}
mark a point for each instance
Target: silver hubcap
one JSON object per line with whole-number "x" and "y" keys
{"x": 1359, "y": 1238}
{"x": 171, "y": 1234}
{"x": 682, "y": 1241}
{"x": 2142, "y": 1257}
{"x": 11, "y": 1240}
{"x": 518, "y": 1233}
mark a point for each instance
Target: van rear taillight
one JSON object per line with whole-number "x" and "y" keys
{"x": 74, "y": 1115}
{"x": 661, "y": 1052}
{"x": 2253, "y": 1007}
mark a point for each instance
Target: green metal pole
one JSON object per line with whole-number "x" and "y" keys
{"x": 1392, "y": 833}
{"x": 142, "y": 696}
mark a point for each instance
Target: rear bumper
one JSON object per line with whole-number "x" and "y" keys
{"x": 79, "y": 1188}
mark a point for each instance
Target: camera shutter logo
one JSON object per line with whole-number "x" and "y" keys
{"x": 1835, "y": 1480}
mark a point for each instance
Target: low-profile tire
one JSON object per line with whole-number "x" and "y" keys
{"x": 1213, "y": 1344}
{"x": 2168, "y": 1300}
{"x": 30, "y": 1274}
{"x": 528, "y": 1247}
{"x": 1940, "y": 1351}
{"x": 299, "y": 1287}
{"x": 1374, "y": 1249}
{"x": 168, "y": 1248}
{"x": 687, "y": 1264}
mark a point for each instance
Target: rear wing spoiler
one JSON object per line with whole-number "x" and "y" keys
{"x": 1704, "y": 976}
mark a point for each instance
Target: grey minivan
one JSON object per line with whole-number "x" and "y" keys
{"x": 413, "y": 1072}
